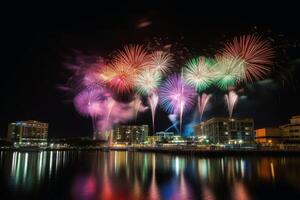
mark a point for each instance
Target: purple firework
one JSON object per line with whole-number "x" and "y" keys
{"x": 176, "y": 97}
{"x": 87, "y": 102}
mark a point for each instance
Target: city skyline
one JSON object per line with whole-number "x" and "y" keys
{"x": 31, "y": 86}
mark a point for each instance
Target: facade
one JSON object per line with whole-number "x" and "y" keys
{"x": 291, "y": 132}
{"x": 152, "y": 140}
{"x": 220, "y": 130}
{"x": 268, "y": 135}
{"x": 127, "y": 134}
{"x": 165, "y": 136}
{"x": 28, "y": 133}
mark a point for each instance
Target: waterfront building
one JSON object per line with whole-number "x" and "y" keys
{"x": 291, "y": 132}
{"x": 152, "y": 140}
{"x": 165, "y": 136}
{"x": 130, "y": 134}
{"x": 268, "y": 135}
{"x": 28, "y": 133}
{"x": 221, "y": 130}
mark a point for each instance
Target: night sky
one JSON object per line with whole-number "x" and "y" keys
{"x": 37, "y": 40}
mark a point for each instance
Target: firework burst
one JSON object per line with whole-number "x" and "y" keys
{"x": 121, "y": 74}
{"x": 176, "y": 96}
{"x": 228, "y": 72}
{"x": 133, "y": 55}
{"x": 199, "y": 73}
{"x": 148, "y": 81}
{"x": 121, "y": 77}
{"x": 162, "y": 61}
{"x": 175, "y": 92}
{"x": 255, "y": 52}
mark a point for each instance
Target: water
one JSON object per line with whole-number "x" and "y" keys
{"x": 134, "y": 175}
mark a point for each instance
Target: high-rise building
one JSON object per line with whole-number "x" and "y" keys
{"x": 220, "y": 130}
{"x": 28, "y": 133}
{"x": 129, "y": 134}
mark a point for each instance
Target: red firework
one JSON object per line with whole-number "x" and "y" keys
{"x": 255, "y": 52}
{"x": 126, "y": 66}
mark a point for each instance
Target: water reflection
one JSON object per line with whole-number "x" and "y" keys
{"x": 132, "y": 175}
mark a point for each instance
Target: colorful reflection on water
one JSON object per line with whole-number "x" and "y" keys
{"x": 133, "y": 175}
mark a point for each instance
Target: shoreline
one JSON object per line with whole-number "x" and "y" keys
{"x": 174, "y": 151}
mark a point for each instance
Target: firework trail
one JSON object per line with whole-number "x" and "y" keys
{"x": 161, "y": 61}
{"x": 199, "y": 73}
{"x": 202, "y": 102}
{"x": 176, "y": 97}
{"x": 173, "y": 125}
{"x": 153, "y": 101}
{"x": 87, "y": 103}
{"x": 255, "y": 52}
{"x": 137, "y": 104}
{"x": 231, "y": 99}
{"x": 173, "y": 119}
{"x": 110, "y": 104}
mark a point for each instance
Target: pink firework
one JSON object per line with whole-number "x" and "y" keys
{"x": 153, "y": 101}
{"x": 202, "y": 102}
{"x": 255, "y": 52}
{"x": 231, "y": 99}
{"x": 174, "y": 93}
{"x": 87, "y": 103}
{"x": 176, "y": 97}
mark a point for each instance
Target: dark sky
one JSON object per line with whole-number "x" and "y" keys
{"x": 37, "y": 39}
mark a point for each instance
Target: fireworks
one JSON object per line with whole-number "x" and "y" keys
{"x": 87, "y": 102}
{"x": 161, "y": 61}
{"x": 255, "y": 52}
{"x": 125, "y": 68}
{"x": 136, "y": 104}
{"x": 134, "y": 56}
{"x": 231, "y": 99}
{"x": 175, "y": 92}
{"x": 228, "y": 72}
{"x": 147, "y": 81}
{"x": 122, "y": 77}
{"x": 176, "y": 96}
{"x": 136, "y": 71}
{"x": 202, "y": 102}
{"x": 198, "y": 73}
{"x": 153, "y": 101}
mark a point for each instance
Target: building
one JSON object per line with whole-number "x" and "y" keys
{"x": 28, "y": 133}
{"x": 152, "y": 140}
{"x": 268, "y": 135}
{"x": 220, "y": 130}
{"x": 291, "y": 132}
{"x": 165, "y": 136}
{"x": 128, "y": 134}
